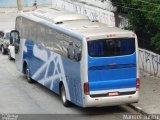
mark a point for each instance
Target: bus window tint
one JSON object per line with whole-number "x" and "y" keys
{"x": 111, "y": 47}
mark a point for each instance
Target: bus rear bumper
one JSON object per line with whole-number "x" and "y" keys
{"x": 110, "y": 101}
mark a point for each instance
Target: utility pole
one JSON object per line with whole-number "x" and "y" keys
{"x": 20, "y": 5}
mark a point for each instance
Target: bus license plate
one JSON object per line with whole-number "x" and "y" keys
{"x": 113, "y": 94}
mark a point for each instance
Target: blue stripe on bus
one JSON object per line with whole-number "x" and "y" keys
{"x": 122, "y": 60}
{"x": 106, "y": 73}
{"x": 110, "y": 84}
{"x": 112, "y": 67}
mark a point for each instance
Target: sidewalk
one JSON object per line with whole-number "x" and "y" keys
{"x": 149, "y": 100}
{"x": 25, "y": 9}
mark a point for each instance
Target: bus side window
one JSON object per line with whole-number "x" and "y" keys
{"x": 14, "y": 36}
{"x": 74, "y": 51}
{"x": 77, "y": 52}
{"x": 49, "y": 38}
{"x": 70, "y": 51}
{"x": 40, "y": 34}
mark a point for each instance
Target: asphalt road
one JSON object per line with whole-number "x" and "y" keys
{"x": 17, "y": 96}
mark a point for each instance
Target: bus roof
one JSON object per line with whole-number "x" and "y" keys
{"x": 88, "y": 28}
{"x": 74, "y": 23}
{"x": 58, "y": 16}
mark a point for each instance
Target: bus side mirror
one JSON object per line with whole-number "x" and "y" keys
{"x": 11, "y": 40}
{"x": 14, "y": 34}
{"x": 15, "y": 39}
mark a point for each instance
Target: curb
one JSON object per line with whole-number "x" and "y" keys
{"x": 138, "y": 109}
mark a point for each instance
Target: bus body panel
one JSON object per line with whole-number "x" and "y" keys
{"x": 104, "y": 79}
{"x": 121, "y": 73}
{"x": 51, "y": 69}
{"x": 19, "y": 56}
{"x": 110, "y": 101}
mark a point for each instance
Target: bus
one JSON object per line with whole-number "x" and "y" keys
{"x": 86, "y": 62}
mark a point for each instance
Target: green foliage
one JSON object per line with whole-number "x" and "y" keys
{"x": 156, "y": 41}
{"x": 144, "y": 19}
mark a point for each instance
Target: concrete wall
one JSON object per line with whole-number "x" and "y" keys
{"x": 103, "y": 4}
{"x": 93, "y": 11}
{"x": 149, "y": 62}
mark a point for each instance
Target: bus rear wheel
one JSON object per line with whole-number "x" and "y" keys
{"x": 65, "y": 102}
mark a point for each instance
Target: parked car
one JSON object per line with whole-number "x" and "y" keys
{"x": 4, "y": 41}
{"x": 6, "y": 46}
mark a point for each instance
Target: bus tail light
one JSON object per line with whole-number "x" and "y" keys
{"x": 137, "y": 84}
{"x": 86, "y": 88}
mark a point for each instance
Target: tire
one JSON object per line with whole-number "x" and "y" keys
{"x": 9, "y": 56}
{"x": 2, "y": 49}
{"x": 65, "y": 102}
{"x": 29, "y": 79}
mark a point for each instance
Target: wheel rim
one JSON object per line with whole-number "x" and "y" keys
{"x": 63, "y": 95}
{"x": 27, "y": 73}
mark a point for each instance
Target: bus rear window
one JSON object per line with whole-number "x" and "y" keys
{"x": 111, "y": 47}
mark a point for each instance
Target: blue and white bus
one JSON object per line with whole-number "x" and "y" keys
{"x": 85, "y": 62}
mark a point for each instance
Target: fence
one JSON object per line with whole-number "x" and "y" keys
{"x": 149, "y": 62}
